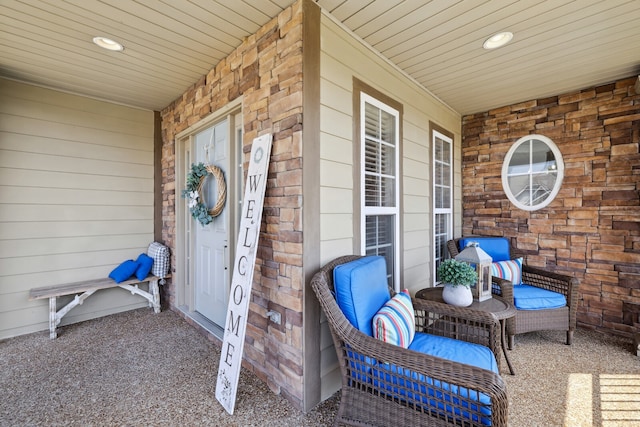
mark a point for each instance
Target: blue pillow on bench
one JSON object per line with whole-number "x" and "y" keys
{"x": 124, "y": 271}
{"x": 144, "y": 264}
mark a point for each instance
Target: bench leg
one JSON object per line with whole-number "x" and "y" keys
{"x": 53, "y": 321}
{"x": 155, "y": 292}
{"x": 153, "y": 296}
{"x": 56, "y": 316}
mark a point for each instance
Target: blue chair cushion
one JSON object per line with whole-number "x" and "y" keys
{"x": 527, "y": 297}
{"x": 145, "y": 262}
{"x": 455, "y": 350}
{"x": 123, "y": 271}
{"x": 496, "y": 247}
{"x": 361, "y": 290}
{"x": 360, "y": 366}
{"x": 400, "y": 381}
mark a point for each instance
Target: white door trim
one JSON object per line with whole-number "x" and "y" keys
{"x": 184, "y": 293}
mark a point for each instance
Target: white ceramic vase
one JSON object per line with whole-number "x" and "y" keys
{"x": 460, "y": 296}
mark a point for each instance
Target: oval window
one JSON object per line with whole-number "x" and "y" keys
{"x": 532, "y": 172}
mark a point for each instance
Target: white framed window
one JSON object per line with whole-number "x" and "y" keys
{"x": 442, "y": 167}
{"x": 379, "y": 182}
{"x": 532, "y": 172}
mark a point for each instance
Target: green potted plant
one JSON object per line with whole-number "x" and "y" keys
{"x": 457, "y": 278}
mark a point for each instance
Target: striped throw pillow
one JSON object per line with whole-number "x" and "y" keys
{"x": 395, "y": 322}
{"x": 510, "y": 270}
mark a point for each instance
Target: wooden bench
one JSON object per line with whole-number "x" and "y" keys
{"x": 85, "y": 289}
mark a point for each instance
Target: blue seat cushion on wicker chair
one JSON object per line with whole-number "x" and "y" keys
{"x": 398, "y": 381}
{"x": 455, "y": 350}
{"x": 527, "y": 297}
{"x": 496, "y": 247}
{"x": 361, "y": 290}
{"x": 360, "y": 367}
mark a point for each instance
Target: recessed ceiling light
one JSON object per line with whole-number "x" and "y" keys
{"x": 107, "y": 43}
{"x": 497, "y": 40}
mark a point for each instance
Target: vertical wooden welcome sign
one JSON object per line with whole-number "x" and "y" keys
{"x": 236, "y": 323}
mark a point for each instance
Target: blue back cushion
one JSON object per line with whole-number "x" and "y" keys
{"x": 361, "y": 289}
{"x": 496, "y": 247}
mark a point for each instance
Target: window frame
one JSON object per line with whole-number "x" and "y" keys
{"x": 435, "y": 134}
{"x": 394, "y": 211}
{"x": 559, "y": 171}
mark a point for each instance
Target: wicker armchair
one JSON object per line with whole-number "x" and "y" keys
{"x": 384, "y": 384}
{"x": 561, "y": 319}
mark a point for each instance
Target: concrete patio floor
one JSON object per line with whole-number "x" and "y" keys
{"x": 137, "y": 368}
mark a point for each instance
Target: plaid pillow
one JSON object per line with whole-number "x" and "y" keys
{"x": 510, "y": 270}
{"x": 395, "y": 322}
{"x": 160, "y": 255}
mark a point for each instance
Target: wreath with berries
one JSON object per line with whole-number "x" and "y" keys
{"x": 193, "y": 191}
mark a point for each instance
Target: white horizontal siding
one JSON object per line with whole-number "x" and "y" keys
{"x": 335, "y": 123}
{"x": 336, "y": 175}
{"x": 67, "y": 229}
{"x": 76, "y": 199}
{"x": 334, "y": 148}
{"x": 73, "y": 213}
{"x": 334, "y": 247}
{"x": 70, "y": 180}
{"x": 68, "y": 132}
{"x": 342, "y": 58}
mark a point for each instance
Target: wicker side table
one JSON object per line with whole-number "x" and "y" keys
{"x": 503, "y": 310}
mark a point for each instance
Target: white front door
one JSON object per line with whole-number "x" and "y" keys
{"x": 211, "y": 241}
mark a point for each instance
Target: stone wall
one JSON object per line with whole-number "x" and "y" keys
{"x": 266, "y": 70}
{"x": 592, "y": 229}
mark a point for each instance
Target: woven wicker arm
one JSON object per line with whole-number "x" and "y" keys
{"x": 383, "y": 384}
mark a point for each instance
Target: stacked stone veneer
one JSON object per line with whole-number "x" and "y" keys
{"x": 592, "y": 229}
{"x": 266, "y": 70}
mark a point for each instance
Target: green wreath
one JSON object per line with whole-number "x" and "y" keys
{"x": 193, "y": 192}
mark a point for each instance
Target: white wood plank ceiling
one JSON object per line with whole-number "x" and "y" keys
{"x": 558, "y": 46}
